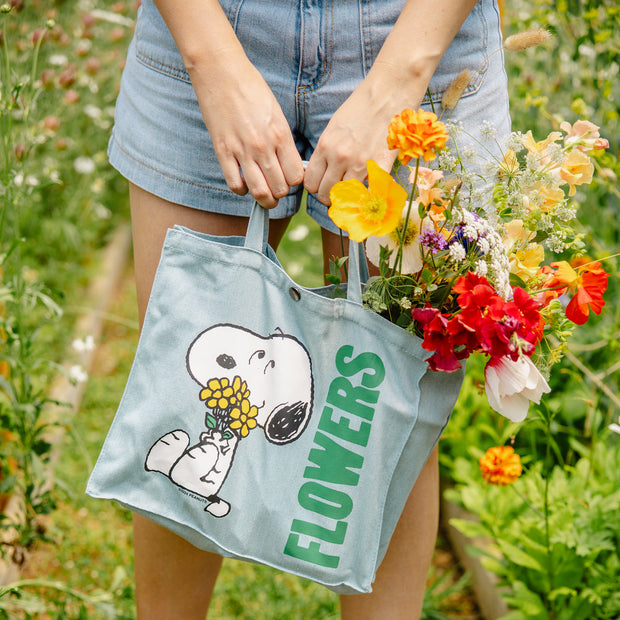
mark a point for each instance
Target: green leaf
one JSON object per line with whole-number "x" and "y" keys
{"x": 517, "y": 556}
{"x": 563, "y": 591}
{"x": 471, "y": 529}
{"x": 210, "y": 421}
{"x": 515, "y": 280}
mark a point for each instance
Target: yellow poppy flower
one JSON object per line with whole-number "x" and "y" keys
{"x": 368, "y": 211}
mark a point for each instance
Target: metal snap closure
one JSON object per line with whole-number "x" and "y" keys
{"x": 294, "y": 293}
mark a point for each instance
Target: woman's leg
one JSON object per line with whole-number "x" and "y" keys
{"x": 174, "y": 579}
{"x": 398, "y": 591}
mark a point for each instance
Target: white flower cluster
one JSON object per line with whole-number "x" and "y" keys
{"x": 493, "y": 263}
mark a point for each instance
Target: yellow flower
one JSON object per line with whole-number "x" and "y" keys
{"x": 548, "y": 196}
{"x": 509, "y": 164}
{"x": 221, "y": 394}
{"x": 576, "y": 169}
{"x": 411, "y": 255}
{"x": 524, "y": 262}
{"x": 363, "y": 212}
{"x": 244, "y": 417}
{"x": 416, "y": 134}
{"x": 539, "y": 147}
{"x": 516, "y": 231}
{"x": 218, "y": 393}
{"x": 500, "y": 465}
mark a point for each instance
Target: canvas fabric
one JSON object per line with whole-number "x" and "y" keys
{"x": 269, "y": 422}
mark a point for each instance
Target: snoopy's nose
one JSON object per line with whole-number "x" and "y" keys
{"x": 226, "y": 361}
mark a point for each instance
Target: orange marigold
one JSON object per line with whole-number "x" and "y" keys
{"x": 500, "y": 465}
{"x": 416, "y": 134}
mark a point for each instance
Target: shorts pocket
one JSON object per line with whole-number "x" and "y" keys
{"x": 469, "y": 49}
{"x": 155, "y": 46}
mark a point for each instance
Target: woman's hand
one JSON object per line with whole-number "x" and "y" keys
{"x": 251, "y": 137}
{"x": 398, "y": 79}
{"x": 356, "y": 132}
{"x": 250, "y": 134}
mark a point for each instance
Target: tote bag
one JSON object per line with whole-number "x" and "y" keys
{"x": 269, "y": 422}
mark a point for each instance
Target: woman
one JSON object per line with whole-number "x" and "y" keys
{"x": 220, "y": 103}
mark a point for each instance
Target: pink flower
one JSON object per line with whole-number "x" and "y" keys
{"x": 511, "y": 385}
{"x": 426, "y": 181}
{"x": 585, "y": 134}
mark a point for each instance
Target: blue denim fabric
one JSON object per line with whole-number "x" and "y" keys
{"x": 312, "y": 53}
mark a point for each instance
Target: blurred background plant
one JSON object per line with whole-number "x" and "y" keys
{"x": 59, "y": 73}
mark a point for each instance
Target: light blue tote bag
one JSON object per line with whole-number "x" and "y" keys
{"x": 269, "y": 422}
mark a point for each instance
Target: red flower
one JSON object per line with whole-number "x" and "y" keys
{"x": 587, "y": 284}
{"x": 485, "y": 322}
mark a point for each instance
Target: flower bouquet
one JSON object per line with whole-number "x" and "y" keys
{"x": 465, "y": 267}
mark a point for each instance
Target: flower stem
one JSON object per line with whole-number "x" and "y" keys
{"x": 398, "y": 262}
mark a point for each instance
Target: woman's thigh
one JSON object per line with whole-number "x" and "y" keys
{"x": 152, "y": 216}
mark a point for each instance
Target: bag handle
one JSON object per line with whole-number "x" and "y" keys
{"x": 257, "y": 235}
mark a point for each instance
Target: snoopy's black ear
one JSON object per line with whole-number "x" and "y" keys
{"x": 287, "y": 422}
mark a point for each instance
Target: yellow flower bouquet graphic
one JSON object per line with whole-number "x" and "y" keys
{"x": 230, "y": 410}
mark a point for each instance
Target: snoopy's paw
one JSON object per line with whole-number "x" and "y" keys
{"x": 220, "y": 508}
{"x": 166, "y": 451}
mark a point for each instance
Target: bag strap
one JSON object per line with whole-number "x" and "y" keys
{"x": 257, "y": 235}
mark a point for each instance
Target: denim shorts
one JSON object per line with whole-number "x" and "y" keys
{"x": 312, "y": 53}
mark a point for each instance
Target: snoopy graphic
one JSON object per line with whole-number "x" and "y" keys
{"x": 247, "y": 381}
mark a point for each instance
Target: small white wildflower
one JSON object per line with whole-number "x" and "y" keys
{"x": 93, "y": 111}
{"x": 469, "y": 155}
{"x": 299, "y": 233}
{"x": 58, "y": 60}
{"x": 457, "y": 251}
{"x": 83, "y": 346}
{"x": 102, "y": 212}
{"x": 556, "y": 241}
{"x": 502, "y": 284}
{"x": 565, "y": 213}
{"x": 481, "y": 269}
{"x": 470, "y": 232}
{"x": 97, "y": 186}
{"x": 454, "y": 129}
{"x": 484, "y": 246}
{"x": 488, "y": 131}
{"x": 446, "y": 161}
{"x": 615, "y": 427}
{"x": 84, "y": 165}
{"x": 54, "y": 176}
{"x": 78, "y": 374}
{"x": 546, "y": 222}
{"x": 514, "y": 142}
{"x": 405, "y": 303}
{"x": 31, "y": 181}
